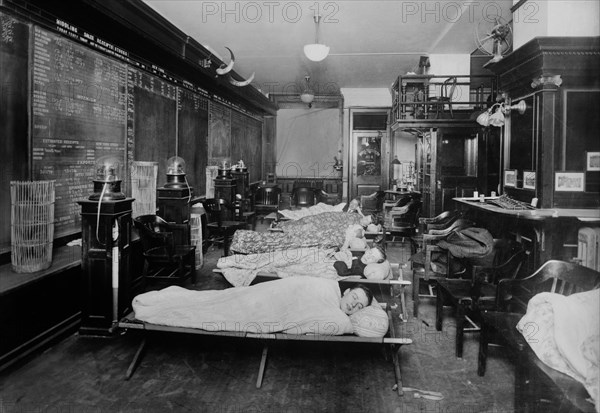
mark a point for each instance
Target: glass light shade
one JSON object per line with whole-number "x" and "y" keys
{"x": 175, "y": 166}
{"x": 224, "y": 171}
{"x": 316, "y": 51}
{"x": 484, "y": 118}
{"x": 176, "y": 173}
{"x": 108, "y": 168}
{"x": 497, "y": 119}
{"x": 107, "y": 178}
{"x": 307, "y": 97}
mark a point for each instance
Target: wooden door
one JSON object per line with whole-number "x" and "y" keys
{"x": 367, "y": 173}
{"x": 456, "y": 169}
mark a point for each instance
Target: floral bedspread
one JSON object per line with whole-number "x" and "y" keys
{"x": 325, "y": 230}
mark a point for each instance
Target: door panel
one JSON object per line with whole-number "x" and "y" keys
{"x": 367, "y": 165}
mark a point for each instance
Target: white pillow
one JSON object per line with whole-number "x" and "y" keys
{"x": 371, "y": 321}
{"x": 378, "y": 270}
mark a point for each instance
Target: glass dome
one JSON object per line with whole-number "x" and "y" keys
{"x": 109, "y": 168}
{"x": 176, "y": 173}
{"x": 175, "y": 166}
{"x": 107, "y": 178}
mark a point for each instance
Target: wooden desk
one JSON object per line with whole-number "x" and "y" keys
{"x": 547, "y": 233}
{"x": 583, "y": 215}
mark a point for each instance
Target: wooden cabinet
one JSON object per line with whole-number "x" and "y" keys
{"x": 105, "y": 263}
{"x": 553, "y": 148}
{"x": 447, "y": 161}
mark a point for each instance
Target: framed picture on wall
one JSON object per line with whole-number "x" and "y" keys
{"x": 569, "y": 181}
{"x": 510, "y": 177}
{"x": 528, "y": 179}
{"x": 592, "y": 161}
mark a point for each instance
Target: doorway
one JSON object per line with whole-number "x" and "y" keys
{"x": 369, "y": 152}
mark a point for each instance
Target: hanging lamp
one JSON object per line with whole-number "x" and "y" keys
{"x": 316, "y": 51}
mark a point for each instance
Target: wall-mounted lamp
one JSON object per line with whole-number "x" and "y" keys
{"x": 307, "y": 96}
{"x": 316, "y": 51}
{"x": 495, "y": 115}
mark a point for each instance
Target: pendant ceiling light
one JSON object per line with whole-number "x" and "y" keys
{"x": 316, "y": 51}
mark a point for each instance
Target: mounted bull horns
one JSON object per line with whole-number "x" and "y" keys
{"x": 224, "y": 69}
{"x": 241, "y": 83}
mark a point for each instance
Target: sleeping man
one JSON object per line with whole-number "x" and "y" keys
{"x": 303, "y": 305}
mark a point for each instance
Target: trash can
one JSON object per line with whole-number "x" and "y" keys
{"x": 32, "y": 225}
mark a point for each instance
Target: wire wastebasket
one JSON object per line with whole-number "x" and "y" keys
{"x": 32, "y": 225}
{"x": 143, "y": 187}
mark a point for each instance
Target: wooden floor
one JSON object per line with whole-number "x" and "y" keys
{"x": 183, "y": 373}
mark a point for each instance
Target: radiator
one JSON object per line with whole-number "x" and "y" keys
{"x": 588, "y": 251}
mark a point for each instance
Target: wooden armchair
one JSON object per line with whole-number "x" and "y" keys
{"x": 372, "y": 204}
{"x": 266, "y": 199}
{"x": 470, "y": 296}
{"x": 221, "y": 225}
{"x": 424, "y": 271}
{"x": 303, "y": 196}
{"x": 404, "y": 222}
{"x": 532, "y": 376}
{"x": 441, "y": 221}
{"x": 165, "y": 261}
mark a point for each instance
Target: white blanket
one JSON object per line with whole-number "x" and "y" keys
{"x": 305, "y": 305}
{"x": 564, "y": 332}
{"x": 240, "y": 270}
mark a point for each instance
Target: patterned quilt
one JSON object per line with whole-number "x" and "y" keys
{"x": 325, "y": 230}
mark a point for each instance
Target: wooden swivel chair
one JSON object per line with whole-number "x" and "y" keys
{"x": 471, "y": 296}
{"x": 165, "y": 262}
{"x": 404, "y": 223}
{"x": 441, "y": 221}
{"x": 221, "y": 223}
{"x": 266, "y": 200}
{"x": 373, "y": 204}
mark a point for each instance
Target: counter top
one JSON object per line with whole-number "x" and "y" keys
{"x": 63, "y": 258}
{"x": 585, "y": 215}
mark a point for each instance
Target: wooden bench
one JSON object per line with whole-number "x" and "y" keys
{"x": 537, "y": 386}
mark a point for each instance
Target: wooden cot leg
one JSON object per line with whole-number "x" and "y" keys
{"x": 416, "y": 286}
{"x": 396, "y": 361}
{"x": 261, "y": 369}
{"x": 403, "y": 304}
{"x": 137, "y": 358}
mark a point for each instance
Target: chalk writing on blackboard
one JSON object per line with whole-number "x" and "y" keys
{"x": 79, "y": 115}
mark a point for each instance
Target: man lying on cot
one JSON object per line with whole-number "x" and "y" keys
{"x": 304, "y": 305}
